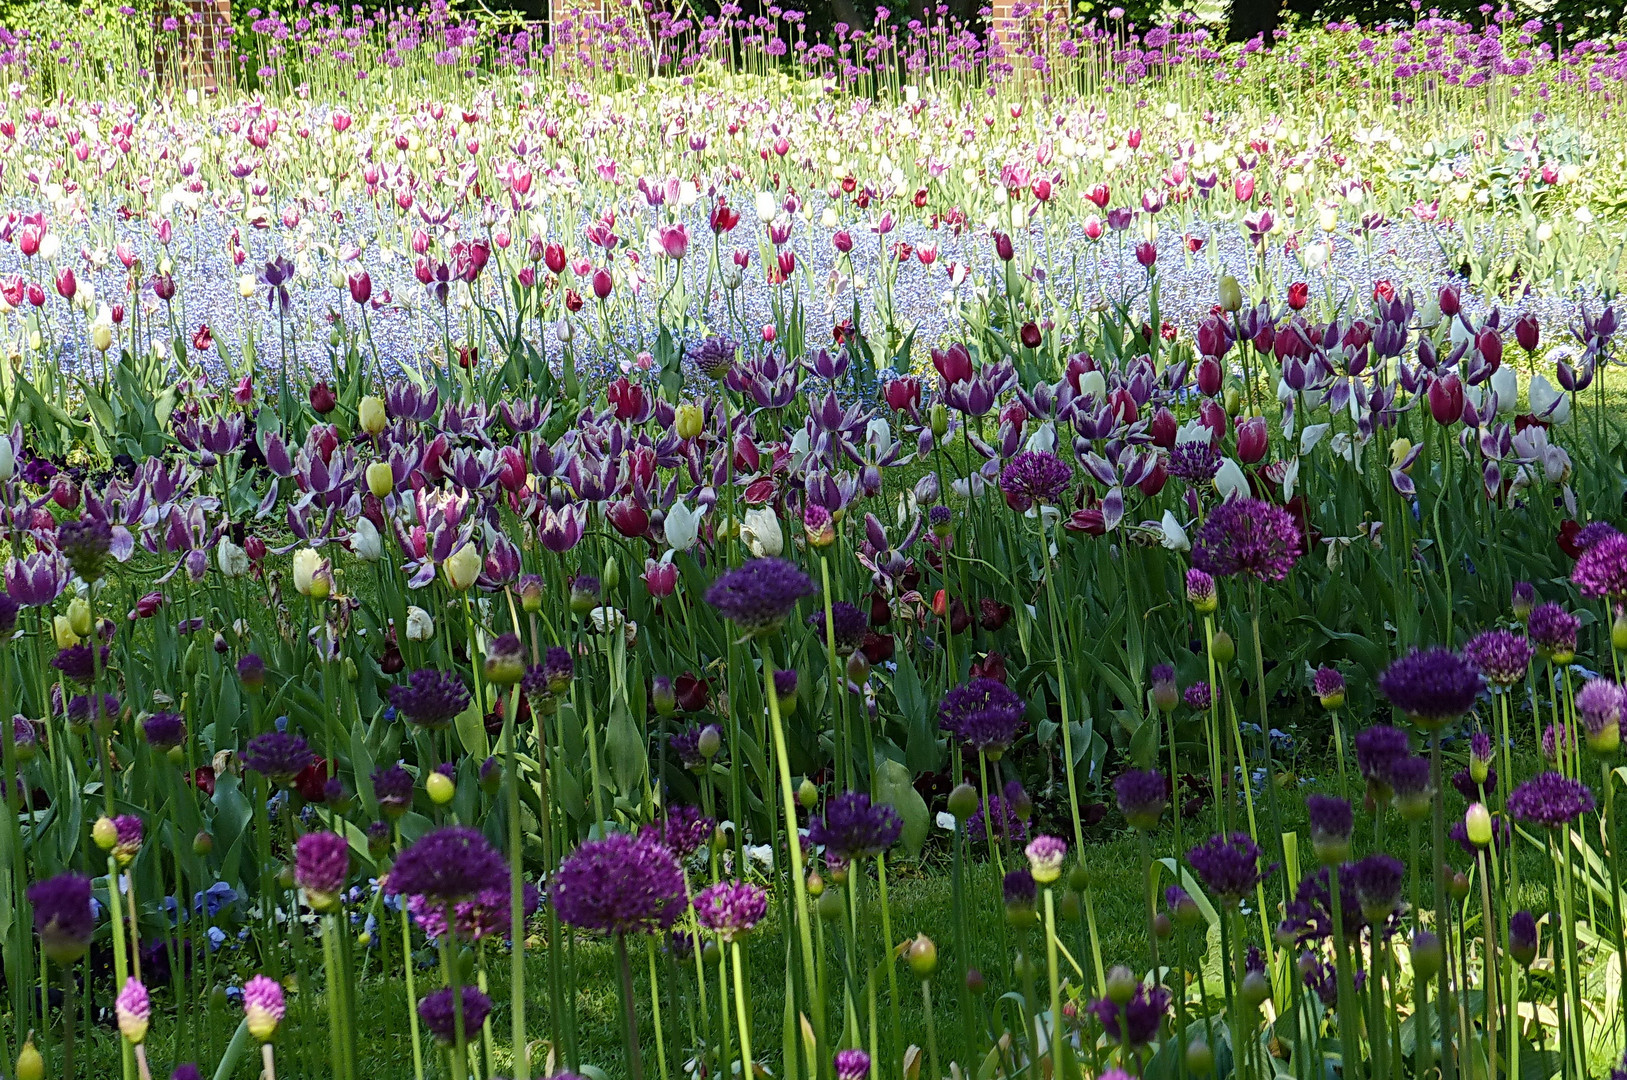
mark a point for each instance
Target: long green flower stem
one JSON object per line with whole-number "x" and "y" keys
{"x": 1345, "y": 983}
{"x": 1443, "y": 993}
{"x": 516, "y": 898}
{"x": 1061, "y": 1056}
{"x": 635, "y": 1063}
{"x": 412, "y": 989}
{"x": 740, "y": 1010}
{"x": 793, "y": 844}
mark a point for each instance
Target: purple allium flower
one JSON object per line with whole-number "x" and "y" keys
{"x": 1035, "y": 476}
{"x": 714, "y": 355}
{"x": 1555, "y": 737}
{"x": 1320, "y": 978}
{"x": 1522, "y": 937}
{"x": 1005, "y": 820}
{"x": 852, "y": 828}
{"x": 1599, "y": 704}
{"x": 321, "y": 864}
{"x": 1019, "y": 888}
{"x": 684, "y": 829}
{"x": 1594, "y": 532}
{"x": 134, "y": 1009}
{"x": 78, "y": 663}
{"x": 1247, "y": 537}
{"x": 278, "y": 755}
{"x": 1045, "y": 857}
{"x": 1329, "y": 687}
{"x": 263, "y": 1006}
{"x": 731, "y": 908}
{"x": 1410, "y": 783}
{"x": 1377, "y": 880}
{"x": 552, "y": 676}
{"x": 758, "y": 594}
{"x": 1142, "y": 796}
{"x": 1502, "y": 656}
{"x": 1182, "y": 908}
{"x": 1601, "y": 570}
{"x": 164, "y": 730}
{"x": 849, "y": 623}
{"x": 852, "y": 1065}
{"x": 1199, "y": 696}
{"x": 984, "y": 714}
{"x": 1331, "y": 825}
{"x": 1554, "y": 630}
{"x": 1522, "y": 598}
{"x": 1136, "y": 1022}
{"x": 392, "y": 788}
{"x": 1432, "y": 686}
{"x": 485, "y": 914}
{"x": 439, "y": 1013}
{"x": 187, "y": 1071}
{"x": 1195, "y": 461}
{"x": 785, "y": 684}
{"x": 448, "y": 864}
{"x": 1309, "y": 916}
{"x": 104, "y": 706}
{"x": 63, "y": 916}
{"x": 1228, "y": 866}
{"x": 620, "y": 885}
{"x": 1377, "y": 749}
{"x": 1550, "y": 799}
{"x": 1200, "y": 592}
{"x": 85, "y": 543}
{"x": 251, "y": 671}
{"x": 432, "y": 698}
{"x": 1164, "y": 693}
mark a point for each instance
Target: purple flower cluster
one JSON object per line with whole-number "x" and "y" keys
{"x": 63, "y": 916}
{"x": 1249, "y": 538}
{"x": 1228, "y": 866}
{"x": 849, "y": 625}
{"x": 853, "y": 828}
{"x": 1035, "y": 476}
{"x": 1554, "y": 630}
{"x": 1135, "y": 1023}
{"x": 731, "y": 908}
{"x": 1142, "y": 795}
{"x": 439, "y": 1013}
{"x": 683, "y": 829}
{"x": 984, "y": 714}
{"x": 1196, "y": 461}
{"x": 1550, "y": 799}
{"x": 321, "y": 864}
{"x": 1502, "y": 656}
{"x": 1432, "y": 686}
{"x": 446, "y": 865}
{"x": 431, "y": 698}
{"x": 1601, "y": 570}
{"x": 278, "y": 755}
{"x": 620, "y": 885}
{"x": 758, "y": 594}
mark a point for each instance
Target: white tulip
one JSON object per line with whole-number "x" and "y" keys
{"x": 232, "y": 560}
{"x": 768, "y": 207}
{"x": 366, "y": 542}
{"x": 1548, "y": 403}
{"x": 683, "y": 526}
{"x": 1230, "y": 480}
{"x": 1506, "y": 385}
{"x": 420, "y": 627}
{"x": 1174, "y": 536}
{"x": 760, "y": 529}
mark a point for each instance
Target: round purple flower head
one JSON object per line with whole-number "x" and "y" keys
{"x": 392, "y": 788}
{"x": 1196, "y": 461}
{"x": 1377, "y": 880}
{"x": 683, "y": 829}
{"x": 1199, "y": 696}
{"x": 134, "y": 1009}
{"x": 1004, "y": 823}
{"x": 849, "y": 623}
{"x": 164, "y": 731}
{"x": 1502, "y": 656}
{"x": 263, "y": 1006}
{"x": 448, "y": 864}
{"x": 1555, "y": 737}
{"x": 1035, "y": 476}
{"x": 1136, "y": 1022}
{"x": 86, "y": 544}
{"x": 1228, "y": 866}
{"x": 1329, "y": 686}
{"x": 321, "y": 864}
{"x": 439, "y": 1014}
{"x": 731, "y": 908}
{"x": 1377, "y": 750}
{"x": 1522, "y": 598}
{"x": 1200, "y": 592}
{"x": 984, "y": 714}
{"x": 1432, "y": 686}
{"x": 852, "y": 1065}
{"x": 1045, "y": 858}
{"x": 1554, "y": 630}
{"x": 1019, "y": 888}
{"x": 852, "y": 828}
{"x": 187, "y": 1071}
{"x": 1331, "y": 825}
{"x": 278, "y": 755}
{"x": 1601, "y": 571}
{"x": 251, "y": 671}
{"x": 620, "y": 885}
{"x": 1599, "y": 704}
{"x": 63, "y": 916}
{"x": 1309, "y": 916}
{"x": 1410, "y": 783}
{"x": 1247, "y": 537}
{"x": 483, "y": 915}
{"x": 78, "y": 663}
{"x": 759, "y": 594}
{"x": 1522, "y": 937}
{"x": 1550, "y": 799}
{"x": 714, "y": 355}
{"x": 431, "y": 698}
{"x": 104, "y": 706}
{"x": 1142, "y": 796}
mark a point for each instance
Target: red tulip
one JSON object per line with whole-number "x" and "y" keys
{"x": 553, "y": 257}
{"x": 1163, "y": 428}
{"x": 1527, "y": 332}
{"x": 361, "y": 287}
{"x": 1299, "y": 294}
{"x": 322, "y": 399}
{"x": 1253, "y": 439}
{"x": 66, "y": 284}
{"x": 602, "y": 283}
{"x": 1446, "y": 399}
{"x": 903, "y": 394}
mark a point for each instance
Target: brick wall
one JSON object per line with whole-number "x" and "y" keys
{"x": 198, "y": 54}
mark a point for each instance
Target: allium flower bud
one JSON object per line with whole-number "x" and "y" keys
{"x": 134, "y": 1010}
{"x": 1477, "y": 823}
{"x": 505, "y": 660}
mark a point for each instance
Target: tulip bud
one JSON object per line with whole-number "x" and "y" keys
{"x": 1231, "y": 294}
{"x": 1458, "y": 885}
{"x": 1256, "y": 989}
{"x": 689, "y": 421}
{"x": 203, "y": 843}
{"x": 370, "y": 412}
{"x": 940, "y": 420}
{"x": 101, "y": 336}
{"x": 1079, "y": 878}
{"x": 1200, "y": 1060}
{"x": 831, "y": 906}
{"x": 380, "y": 479}
{"x": 816, "y": 884}
{"x": 711, "y": 741}
{"x": 1618, "y": 632}
{"x": 79, "y": 617}
{"x": 858, "y": 668}
{"x": 62, "y": 632}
